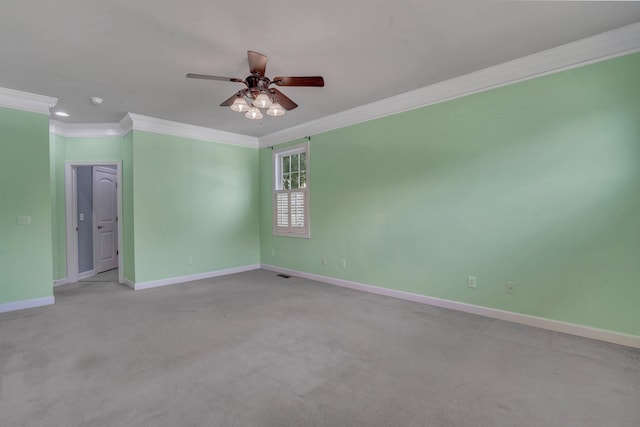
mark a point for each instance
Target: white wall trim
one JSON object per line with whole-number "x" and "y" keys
{"x": 70, "y": 218}
{"x": 60, "y": 282}
{"x": 607, "y": 45}
{"x": 524, "y": 319}
{"x": 128, "y": 282}
{"x": 70, "y": 204}
{"x": 26, "y": 101}
{"x": 28, "y": 303}
{"x": 126, "y": 124}
{"x": 600, "y": 47}
{"x": 166, "y": 127}
{"x": 86, "y": 130}
{"x": 182, "y": 279}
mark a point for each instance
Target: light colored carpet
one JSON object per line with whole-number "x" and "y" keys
{"x": 253, "y": 349}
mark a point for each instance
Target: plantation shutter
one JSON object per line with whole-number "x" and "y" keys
{"x": 297, "y": 209}
{"x": 282, "y": 210}
{"x": 290, "y": 211}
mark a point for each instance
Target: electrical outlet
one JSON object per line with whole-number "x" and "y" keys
{"x": 324, "y": 260}
{"x": 471, "y": 282}
{"x": 273, "y": 252}
{"x": 343, "y": 263}
{"x": 190, "y": 260}
{"x": 511, "y": 288}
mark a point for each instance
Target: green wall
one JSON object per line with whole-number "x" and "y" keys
{"x": 25, "y": 190}
{"x": 536, "y": 183}
{"x": 181, "y": 198}
{"x": 193, "y": 198}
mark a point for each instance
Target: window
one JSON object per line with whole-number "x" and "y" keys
{"x": 291, "y": 191}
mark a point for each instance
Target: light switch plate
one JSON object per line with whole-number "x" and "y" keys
{"x": 24, "y": 220}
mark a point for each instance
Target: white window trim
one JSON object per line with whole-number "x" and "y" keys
{"x": 304, "y": 233}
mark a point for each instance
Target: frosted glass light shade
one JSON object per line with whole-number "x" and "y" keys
{"x": 262, "y": 101}
{"x": 253, "y": 114}
{"x": 240, "y": 105}
{"x": 276, "y": 110}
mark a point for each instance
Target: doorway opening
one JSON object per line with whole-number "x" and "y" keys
{"x": 93, "y": 199}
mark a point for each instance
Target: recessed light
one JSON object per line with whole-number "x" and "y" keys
{"x": 95, "y": 100}
{"x": 61, "y": 114}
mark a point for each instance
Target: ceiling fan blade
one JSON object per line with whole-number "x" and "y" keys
{"x": 283, "y": 99}
{"x": 208, "y": 77}
{"x": 229, "y": 101}
{"x": 257, "y": 63}
{"x": 316, "y": 81}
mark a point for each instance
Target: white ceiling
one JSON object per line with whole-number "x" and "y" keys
{"x": 135, "y": 53}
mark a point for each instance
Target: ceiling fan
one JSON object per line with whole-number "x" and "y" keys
{"x": 259, "y": 90}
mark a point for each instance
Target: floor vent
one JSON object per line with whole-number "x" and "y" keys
{"x": 284, "y": 276}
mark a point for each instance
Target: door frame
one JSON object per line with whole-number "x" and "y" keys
{"x": 71, "y": 215}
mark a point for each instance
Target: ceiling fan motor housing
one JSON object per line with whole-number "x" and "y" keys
{"x": 257, "y": 84}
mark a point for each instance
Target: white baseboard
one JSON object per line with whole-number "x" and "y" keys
{"x": 65, "y": 280}
{"x": 60, "y": 282}
{"x": 525, "y": 319}
{"x": 129, "y": 283}
{"x": 182, "y": 279}
{"x": 28, "y": 303}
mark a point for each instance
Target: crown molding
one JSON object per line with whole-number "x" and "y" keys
{"x": 126, "y": 124}
{"x": 26, "y": 101}
{"x": 86, "y": 130}
{"x": 151, "y": 124}
{"x": 607, "y": 45}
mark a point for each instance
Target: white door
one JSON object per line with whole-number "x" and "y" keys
{"x": 105, "y": 233}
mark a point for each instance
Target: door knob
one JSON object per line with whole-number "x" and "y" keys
{"x": 100, "y": 226}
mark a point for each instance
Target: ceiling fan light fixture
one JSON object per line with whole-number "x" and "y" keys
{"x": 240, "y": 105}
{"x": 258, "y": 92}
{"x": 262, "y": 101}
{"x": 276, "y": 110}
{"x": 253, "y": 114}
